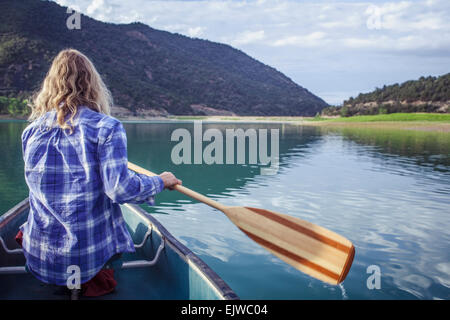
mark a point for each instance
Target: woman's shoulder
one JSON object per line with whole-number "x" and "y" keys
{"x": 97, "y": 124}
{"x": 101, "y": 125}
{"x": 42, "y": 122}
{"x": 96, "y": 119}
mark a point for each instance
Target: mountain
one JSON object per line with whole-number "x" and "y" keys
{"x": 149, "y": 72}
{"x": 427, "y": 94}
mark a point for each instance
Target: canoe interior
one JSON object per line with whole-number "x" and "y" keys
{"x": 178, "y": 274}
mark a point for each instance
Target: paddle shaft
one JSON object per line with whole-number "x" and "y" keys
{"x": 312, "y": 249}
{"x": 186, "y": 191}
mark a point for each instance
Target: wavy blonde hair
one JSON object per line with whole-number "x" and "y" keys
{"x": 71, "y": 81}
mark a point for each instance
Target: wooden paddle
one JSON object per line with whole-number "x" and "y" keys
{"x": 311, "y": 249}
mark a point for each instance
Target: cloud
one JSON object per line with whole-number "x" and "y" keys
{"x": 247, "y": 37}
{"x": 409, "y": 17}
{"x": 321, "y": 24}
{"x": 309, "y": 41}
{"x": 195, "y": 32}
{"x": 94, "y": 6}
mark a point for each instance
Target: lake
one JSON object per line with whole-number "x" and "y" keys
{"x": 388, "y": 191}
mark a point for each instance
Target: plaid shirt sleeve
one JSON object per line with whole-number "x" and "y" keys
{"x": 120, "y": 183}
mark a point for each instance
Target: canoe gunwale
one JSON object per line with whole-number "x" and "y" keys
{"x": 209, "y": 275}
{"x": 190, "y": 257}
{"x": 13, "y": 212}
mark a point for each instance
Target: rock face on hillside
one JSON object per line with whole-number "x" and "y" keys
{"x": 146, "y": 69}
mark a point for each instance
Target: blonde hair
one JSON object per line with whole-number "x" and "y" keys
{"x": 72, "y": 81}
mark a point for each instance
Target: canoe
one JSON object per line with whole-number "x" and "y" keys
{"x": 161, "y": 268}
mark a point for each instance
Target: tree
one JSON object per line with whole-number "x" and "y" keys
{"x": 344, "y": 111}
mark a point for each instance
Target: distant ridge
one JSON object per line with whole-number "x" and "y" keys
{"x": 149, "y": 72}
{"x": 427, "y": 94}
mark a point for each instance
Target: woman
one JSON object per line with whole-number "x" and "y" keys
{"x": 75, "y": 158}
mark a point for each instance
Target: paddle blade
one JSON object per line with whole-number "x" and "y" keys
{"x": 311, "y": 249}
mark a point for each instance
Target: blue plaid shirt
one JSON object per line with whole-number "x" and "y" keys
{"x": 77, "y": 182}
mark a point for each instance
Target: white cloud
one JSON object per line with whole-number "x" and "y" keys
{"x": 69, "y": 4}
{"x": 285, "y": 23}
{"x": 309, "y": 35}
{"x": 177, "y": 27}
{"x": 310, "y": 40}
{"x": 356, "y": 43}
{"x": 247, "y": 37}
{"x": 195, "y": 31}
{"x": 94, "y": 6}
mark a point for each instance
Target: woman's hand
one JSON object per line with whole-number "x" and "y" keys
{"x": 169, "y": 180}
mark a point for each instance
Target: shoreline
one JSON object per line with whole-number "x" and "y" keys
{"x": 418, "y": 125}
{"x": 426, "y": 126}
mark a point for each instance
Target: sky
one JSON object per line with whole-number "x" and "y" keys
{"x": 334, "y": 48}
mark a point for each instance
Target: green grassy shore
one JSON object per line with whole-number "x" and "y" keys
{"x": 433, "y": 117}
{"x": 406, "y": 121}
{"x": 416, "y": 121}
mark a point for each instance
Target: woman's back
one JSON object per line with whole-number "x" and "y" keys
{"x": 76, "y": 168}
{"x": 77, "y": 180}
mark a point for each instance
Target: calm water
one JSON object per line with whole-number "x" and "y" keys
{"x": 386, "y": 191}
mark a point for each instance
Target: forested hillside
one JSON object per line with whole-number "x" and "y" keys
{"x": 149, "y": 72}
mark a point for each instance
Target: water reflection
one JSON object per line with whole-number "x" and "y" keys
{"x": 407, "y": 151}
{"x": 12, "y": 182}
{"x": 150, "y": 146}
{"x": 387, "y": 191}
{"x": 392, "y": 206}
